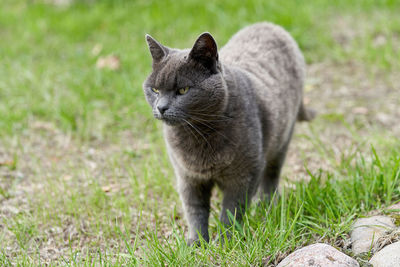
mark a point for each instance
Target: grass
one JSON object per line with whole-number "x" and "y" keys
{"x": 51, "y": 60}
{"x": 322, "y": 210}
{"x": 84, "y": 177}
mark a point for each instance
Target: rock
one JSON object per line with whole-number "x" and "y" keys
{"x": 318, "y": 255}
{"x": 389, "y": 256}
{"x": 366, "y": 232}
{"x": 395, "y": 208}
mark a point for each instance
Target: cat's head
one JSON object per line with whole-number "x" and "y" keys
{"x": 185, "y": 85}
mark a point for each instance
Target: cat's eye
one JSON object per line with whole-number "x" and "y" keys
{"x": 155, "y": 90}
{"x": 183, "y": 91}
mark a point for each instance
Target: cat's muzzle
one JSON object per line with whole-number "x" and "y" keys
{"x": 169, "y": 119}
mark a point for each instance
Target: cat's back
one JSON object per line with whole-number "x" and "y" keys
{"x": 267, "y": 56}
{"x": 264, "y": 48}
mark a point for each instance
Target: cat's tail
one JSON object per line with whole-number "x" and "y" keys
{"x": 306, "y": 114}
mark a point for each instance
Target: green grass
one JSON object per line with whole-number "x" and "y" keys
{"x": 47, "y": 51}
{"x": 86, "y": 179}
{"x": 322, "y": 209}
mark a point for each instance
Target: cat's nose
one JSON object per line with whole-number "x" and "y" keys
{"x": 162, "y": 108}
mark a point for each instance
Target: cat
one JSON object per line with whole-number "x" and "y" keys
{"x": 228, "y": 116}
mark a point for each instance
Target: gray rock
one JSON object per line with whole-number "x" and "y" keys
{"x": 389, "y": 256}
{"x": 395, "y": 208}
{"x": 366, "y": 232}
{"x": 318, "y": 255}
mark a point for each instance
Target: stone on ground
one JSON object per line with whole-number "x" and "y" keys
{"x": 395, "y": 208}
{"x": 389, "y": 256}
{"x": 318, "y": 255}
{"x": 366, "y": 231}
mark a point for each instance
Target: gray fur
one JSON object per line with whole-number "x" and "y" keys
{"x": 233, "y": 127}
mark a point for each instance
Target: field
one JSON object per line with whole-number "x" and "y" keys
{"x": 84, "y": 174}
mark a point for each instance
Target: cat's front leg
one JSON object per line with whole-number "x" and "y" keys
{"x": 195, "y": 196}
{"x": 234, "y": 203}
{"x": 237, "y": 198}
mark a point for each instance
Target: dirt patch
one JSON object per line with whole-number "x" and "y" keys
{"x": 357, "y": 107}
{"x": 45, "y": 172}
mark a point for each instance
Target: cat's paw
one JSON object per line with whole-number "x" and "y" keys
{"x": 196, "y": 242}
{"x": 223, "y": 238}
{"x": 193, "y": 242}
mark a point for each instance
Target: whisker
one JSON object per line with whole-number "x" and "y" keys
{"x": 207, "y": 119}
{"x": 215, "y": 130}
{"x": 199, "y": 132}
{"x": 209, "y": 115}
{"x": 188, "y": 130}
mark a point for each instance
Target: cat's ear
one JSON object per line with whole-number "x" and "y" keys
{"x": 205, "y": 52}
{"x": 157, "y": 50}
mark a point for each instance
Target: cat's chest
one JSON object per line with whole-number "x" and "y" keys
{"x": 202, "y": 158}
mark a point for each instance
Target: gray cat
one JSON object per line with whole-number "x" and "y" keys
{"x": 228, "y": 117}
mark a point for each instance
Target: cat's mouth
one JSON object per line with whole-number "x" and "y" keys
{"x": 169, "y": 119}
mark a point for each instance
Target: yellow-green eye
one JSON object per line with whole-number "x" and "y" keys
{"x": 155, "y": 90}
{"x": 183, "y": 91}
